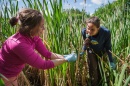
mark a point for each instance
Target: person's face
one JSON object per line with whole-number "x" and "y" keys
{"x": 91, "y": 29}
{"x": 38, "y": 30}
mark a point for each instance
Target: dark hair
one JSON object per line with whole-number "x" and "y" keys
{"x": 28, "y": 19}
{"x": 95, "y": 20}
{"x": 13, "y": 21}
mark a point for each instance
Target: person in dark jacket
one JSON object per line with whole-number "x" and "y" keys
{"x": 97, "y": 42}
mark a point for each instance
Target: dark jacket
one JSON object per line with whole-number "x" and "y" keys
{"x": 103, "y": 39}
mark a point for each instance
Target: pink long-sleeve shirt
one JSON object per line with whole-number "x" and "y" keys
{"x": 18, "y": 50}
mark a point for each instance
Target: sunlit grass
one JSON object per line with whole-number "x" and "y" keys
{"x": 63, "y": 36}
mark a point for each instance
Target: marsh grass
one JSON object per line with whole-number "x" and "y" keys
{"x": 63, "y": 36}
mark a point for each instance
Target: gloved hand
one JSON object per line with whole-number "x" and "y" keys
{"x": 71, "y": 57}
{"x": 113, "y": 65}
{"x": 81, "y": 54}
{"x": 87, "y": 35}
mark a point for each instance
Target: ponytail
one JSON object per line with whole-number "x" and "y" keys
{"x": 13, "y": 21}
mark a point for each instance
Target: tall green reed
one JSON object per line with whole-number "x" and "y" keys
{"x": 7, "y": 10}
{"x": 115, "y": 18}
{"x": 63, "y": 35}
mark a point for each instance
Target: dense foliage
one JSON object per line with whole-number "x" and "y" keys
{"x": 63, "y": 36}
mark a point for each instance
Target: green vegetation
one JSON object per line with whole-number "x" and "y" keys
{"x": 63, "y": 36}
{"x": 115, "y": 17}
{"x": 1, "y": 81}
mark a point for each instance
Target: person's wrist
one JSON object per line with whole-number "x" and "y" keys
{"x": 65, "y": 58}
{"x": 113, "y": 65}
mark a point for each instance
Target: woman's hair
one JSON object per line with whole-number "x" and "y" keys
{"x": 28, "y": 19}
{"x": 95, "y": 20}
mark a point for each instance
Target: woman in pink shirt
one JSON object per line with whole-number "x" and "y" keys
{"x": 21, "y": 47}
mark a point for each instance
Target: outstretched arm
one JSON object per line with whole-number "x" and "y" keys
{"x": 29, "y": 56}
{"x": 108, "y": 46}
{"x": 56, "y": 56}
{"x": 41, "y": 48}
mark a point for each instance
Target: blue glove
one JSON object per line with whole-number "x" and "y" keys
{"x": 87, "y": 35}
{"x": 71, "y": 57}
{"x": 81, "y": 54}
{"x": 113, "y": 65}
